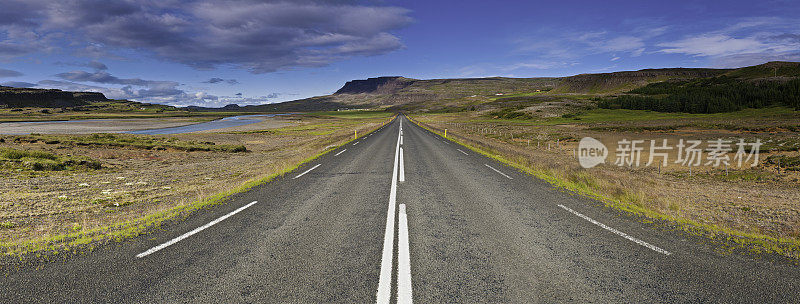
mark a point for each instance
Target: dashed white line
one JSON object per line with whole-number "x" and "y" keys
{"x": 309, "y": 170}
{"x": 402, "y": 166}
{"x": 356, "y": 143}
{"x": 617, "y": 232}
{"x": 459, "y": 150}
{"x": 340, "y": 152}
{"x": 193, "y": 232}
{"x": 403, "y": 259}
{"x": 384, "y": 293}
{"x": 498, "y": 171}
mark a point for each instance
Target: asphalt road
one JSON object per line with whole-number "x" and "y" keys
{"x": 462, "y": 228}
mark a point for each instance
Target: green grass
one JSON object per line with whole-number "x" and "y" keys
{"x": 132, "y": 141}
{"x": 13, "y": 159}
{"x": 353, "y": 114}
{"x": 626, "y": 201}
{"x": 624, "y": 115}
{"x": 8, "y": 153}
{"x": 514, "y": 96}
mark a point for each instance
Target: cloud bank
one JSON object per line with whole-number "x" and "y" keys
{"x": 259, "y": 36}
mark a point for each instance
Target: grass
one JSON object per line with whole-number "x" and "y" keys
{"x": 78, "y": 237}
{"x": 623, "y": 200}
{"x": 624, "y": 115}
{"x": 515, "y": 96}
{"x": 36, "y": 160}
{"x": 132, "y": 141}
{"x": 353, "y": 114}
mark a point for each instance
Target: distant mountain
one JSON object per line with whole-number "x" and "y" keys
{"x": 18, "y": 98}
{"x": 46, "y": 98}
{"x": 395, "y": 92}
{"x": 615, "y": 82}
{"x": 378, "y": 85}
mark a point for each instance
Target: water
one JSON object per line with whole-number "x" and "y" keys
{"x": 227, "y": 122}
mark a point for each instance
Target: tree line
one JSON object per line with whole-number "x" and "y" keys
{"x": 707, "y": 95}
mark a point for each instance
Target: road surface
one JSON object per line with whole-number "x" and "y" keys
{"x": 462, "y": 228}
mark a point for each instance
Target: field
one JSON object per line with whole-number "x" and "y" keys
{"x": 119, "y": 109}
{"x": 100, "y": 187}
{"x": 752, "y": 207}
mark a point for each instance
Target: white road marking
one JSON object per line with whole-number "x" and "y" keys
{"x": 402, "y": 166}
{"x": 617, "y": 232}
{"x": 498, "y": 171}
{"x": 340, "y": 152}
{"x": 459, "y": 150}
{"x": 355, "y": 143}
{"x": 309, "y": 170}
{"x": 384, "y": 293}
{"x": 401, "y": 140}
{"x": 403, "y": 259}
{"x": 193, "y": 232}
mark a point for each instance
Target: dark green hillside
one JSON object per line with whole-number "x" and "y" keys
{"x": 751, "y": 87}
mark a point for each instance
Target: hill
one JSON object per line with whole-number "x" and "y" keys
{"x": 46, "y": 98}
{"x": 400, "y": 93}
{"x": 765, "y": 85}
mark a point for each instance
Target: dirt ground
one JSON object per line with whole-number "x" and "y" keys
{"x": 135, "y": 182}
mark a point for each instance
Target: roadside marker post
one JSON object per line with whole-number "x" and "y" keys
{"x": 355, "y": 134}
{"x": 445, "y": 133}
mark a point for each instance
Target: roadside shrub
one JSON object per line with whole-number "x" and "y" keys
{"x": 43, "y": 161}
{"x": 787, "y": 162}
{"x": 19, "y": 154}
{"x": 43, "y": 164}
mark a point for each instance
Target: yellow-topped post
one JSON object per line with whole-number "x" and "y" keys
{"x": 445, "y": 133}
{"x": 355, "y": 134}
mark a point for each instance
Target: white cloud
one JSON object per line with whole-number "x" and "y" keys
{"x": 714, "y": 45}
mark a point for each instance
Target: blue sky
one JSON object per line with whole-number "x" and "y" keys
{"x": 212, "y": 53}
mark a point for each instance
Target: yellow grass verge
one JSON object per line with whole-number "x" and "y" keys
{"x": 626, "y": 201}
{"x": 83, "y": 239}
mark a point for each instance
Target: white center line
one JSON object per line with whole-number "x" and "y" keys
{"x": 403, "y": 259}
{"x": 190, "y": 233}
{"x": 459, "y": 150}
{"x": 309, "y": 170}
{"x": 617, "y": 232}
{"x": 402, "y": 166}
{"x": 387, "y": 258}
{"x": 401, "y": 140}
{"x": 340, "y": 152}
{"x": 498, "y": 171}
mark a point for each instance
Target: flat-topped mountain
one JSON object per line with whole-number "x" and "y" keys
{"x": 379, "y": 85}
{"x": 46, "y": 98}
